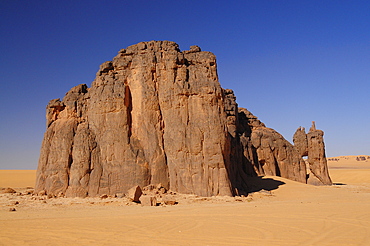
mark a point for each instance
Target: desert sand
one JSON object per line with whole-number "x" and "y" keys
{"x": 277, "y": 212}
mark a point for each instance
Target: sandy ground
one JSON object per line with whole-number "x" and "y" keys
{"x": 17, "y": 178}
{"x": 278, "y": 212}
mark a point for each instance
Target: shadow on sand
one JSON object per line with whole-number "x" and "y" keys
{"x": 257, "y": 184}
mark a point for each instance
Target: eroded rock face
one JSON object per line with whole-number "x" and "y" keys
{"x": 152, "y": 115}
{"x": 261, "y": 150}
{"x": 156, "y": 115}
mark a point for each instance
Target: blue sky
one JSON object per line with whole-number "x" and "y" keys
{"x": 289, "y": 62}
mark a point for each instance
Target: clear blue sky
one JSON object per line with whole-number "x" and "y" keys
{"x": 289, "y": 62}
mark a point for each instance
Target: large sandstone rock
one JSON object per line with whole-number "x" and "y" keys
{"x": 156, "y": 115}
{"x": 152, "y": 115}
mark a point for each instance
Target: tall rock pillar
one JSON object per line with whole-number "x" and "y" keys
{"x": 311, "y": 145}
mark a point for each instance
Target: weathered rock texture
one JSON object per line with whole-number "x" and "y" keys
{"x": 156, "y": 115}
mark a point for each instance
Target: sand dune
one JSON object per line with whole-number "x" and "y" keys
{"x": 279, "y": 212}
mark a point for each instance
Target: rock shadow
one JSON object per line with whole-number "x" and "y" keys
{"x": 256, "y": 184}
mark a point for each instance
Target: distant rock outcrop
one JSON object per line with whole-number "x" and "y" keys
{"x": 156, "y": 115}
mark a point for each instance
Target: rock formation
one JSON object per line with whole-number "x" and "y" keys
{"x": 260, "y": 150}
{"x": 156, "y": 115}
{"x": 312, "y": 146}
